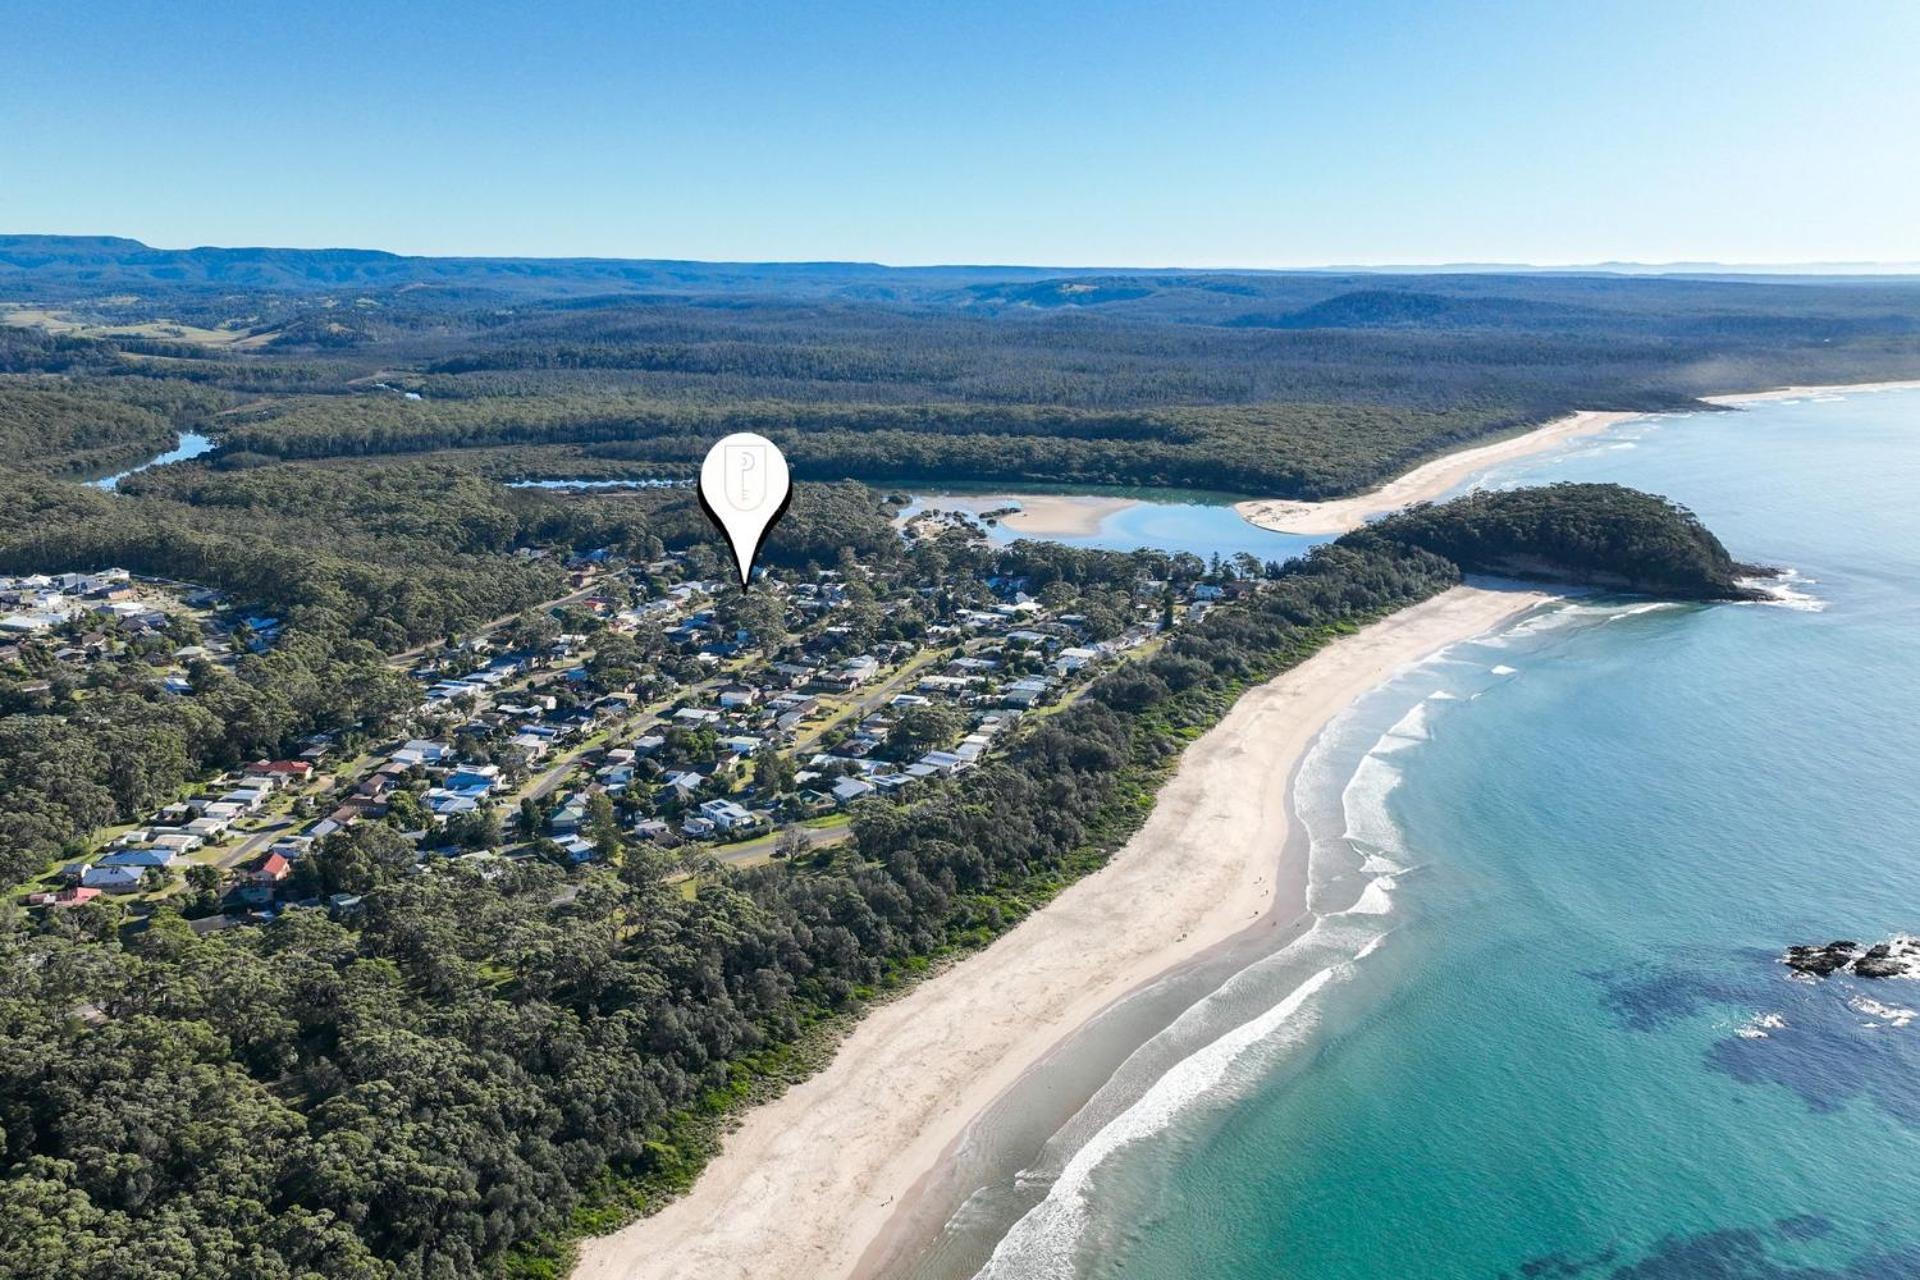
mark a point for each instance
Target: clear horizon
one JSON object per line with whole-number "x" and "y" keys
{"x": 1234, "y": 135}
{"x": 1681, "y": 267}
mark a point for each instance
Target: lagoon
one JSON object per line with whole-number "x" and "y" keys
{"x": 191, "y": 444}
{"x": 1128, "y": 520}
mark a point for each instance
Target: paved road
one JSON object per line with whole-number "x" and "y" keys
{"x": 255, "y": 844}
{"x": 408, "y": 657}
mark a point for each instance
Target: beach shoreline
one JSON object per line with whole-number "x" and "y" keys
{"x": 1425, "y": 482}
{"x": 1795, "y": 392}
{"x": 808, "y": 1183}
{"x": 1434, "y": 478}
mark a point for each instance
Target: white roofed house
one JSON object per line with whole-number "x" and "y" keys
{"x": 944, "y": 762}
{"x": 529, "y": 747}
{"x": 248, "y": 798}
{"x": 852, "y": 673}
{"x": 1073, "y": 659}
{"x": 421, "y": 751}
{"x": 729, "y": 815}
{"x": 577, "y": 848}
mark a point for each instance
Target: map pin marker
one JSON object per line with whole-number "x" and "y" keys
{"x": 745, "y": 489}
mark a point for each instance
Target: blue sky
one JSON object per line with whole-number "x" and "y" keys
{"x": 1199, "y": 134}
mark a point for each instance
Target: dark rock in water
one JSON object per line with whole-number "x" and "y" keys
{"x": 1897, "y": 959}
{"x": 1821, "y": 961}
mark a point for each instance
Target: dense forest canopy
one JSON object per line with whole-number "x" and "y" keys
{"x": 1601, "y": 534}
{"x": 1304, "y": 384}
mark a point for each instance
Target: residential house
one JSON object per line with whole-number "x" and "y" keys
{"x": 729, "y": 815}
{"x": 570, "y": 816}
{"x": 272, "y": 870}
{"x": 848, "y": 790}
{"x": 138, "y": 858}
{"x": 113, "y": 879}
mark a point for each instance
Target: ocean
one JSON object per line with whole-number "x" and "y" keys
{"x": 1540, "y": 1028}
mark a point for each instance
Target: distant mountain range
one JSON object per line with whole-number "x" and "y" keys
{"x": 113, "y": 261}
{"x": 32, "y": 265}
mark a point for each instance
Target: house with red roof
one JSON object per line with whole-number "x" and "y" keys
{"x": 272, "y": 870}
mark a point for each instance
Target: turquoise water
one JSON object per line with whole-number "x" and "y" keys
{"x": 1540, "y": 1029}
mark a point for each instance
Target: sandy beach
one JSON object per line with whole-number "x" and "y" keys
{"x": 808, "y": 1181}
{"x": 1425, "y": 482}
{"x": 1064, "y": 515}
{"x": 1794, "y": 393}
{"x": 1042, "y": 515}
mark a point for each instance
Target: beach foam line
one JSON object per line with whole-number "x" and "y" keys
{"x": 1375, "y": 900}
{"x": 1370, "y": 828}
{"x": 1787, "y": 591}
{"x": 1044, "y": 1241}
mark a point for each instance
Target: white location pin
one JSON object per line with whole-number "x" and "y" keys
{"x": 744, "y": 487}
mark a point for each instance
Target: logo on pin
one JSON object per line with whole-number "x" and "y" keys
{"x": 745, "y": 489}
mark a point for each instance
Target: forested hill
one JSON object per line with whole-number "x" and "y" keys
{"x": 1277, "y": 384}
{"x": 66, "y": 263}
{"x": 1599, "y": 534}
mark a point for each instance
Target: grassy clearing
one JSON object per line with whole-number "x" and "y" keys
{"x": 229, "y": 337}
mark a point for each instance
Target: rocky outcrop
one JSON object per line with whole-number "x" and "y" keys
{"x": 1899, "y": 958}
